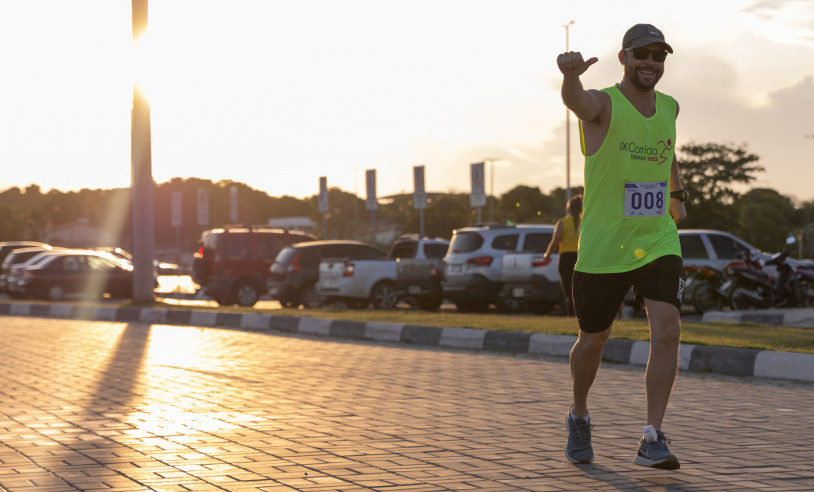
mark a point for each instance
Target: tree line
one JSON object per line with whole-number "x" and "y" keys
{"x": 718, "y": 178}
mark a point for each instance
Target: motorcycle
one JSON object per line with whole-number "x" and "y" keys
{"x": 703, "y": 284}
{"x": 749, "y": 287}
{"x": 732, "y": 272}
{"x": 805, "y": 274}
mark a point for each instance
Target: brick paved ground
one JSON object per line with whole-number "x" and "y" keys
{"x": 116, "y": 406}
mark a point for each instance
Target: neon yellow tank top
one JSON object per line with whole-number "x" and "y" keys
{"x": 570, "y": 236}
{"x": 625, "y": 219}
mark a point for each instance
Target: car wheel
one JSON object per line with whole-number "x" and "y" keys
{"x": 245, "y": 294}
{"x": 430, "y": 303}
{"x": 309, "y": 297}
{"x": 289, "y": 303}
{"x": 704, "y": 298}
{"x": 55, "y": 293}
{"x": 383, "y": 295}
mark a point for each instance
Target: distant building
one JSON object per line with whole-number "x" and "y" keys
{"x": 80, "y": 234}
{"x": 301, "y": 223}
{"x": 386, "y": 234}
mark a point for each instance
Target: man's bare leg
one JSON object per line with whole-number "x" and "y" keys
{"x": 586, "y": 355}
{"x": 662, "y": 366}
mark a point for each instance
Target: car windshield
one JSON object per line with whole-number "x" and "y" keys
{"x": 404, "y": 249}
{"x": 537, "y": 241}
{"x": 285, "y": 256}
{"x": 37, "y": 259}
{"x": 465, "y": 242}
{"x": 435, "y": 250}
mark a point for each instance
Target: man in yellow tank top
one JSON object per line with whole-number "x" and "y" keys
{"x": 628, "y": 237}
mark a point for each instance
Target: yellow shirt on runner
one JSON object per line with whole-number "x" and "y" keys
{"x": 570, "y": 236}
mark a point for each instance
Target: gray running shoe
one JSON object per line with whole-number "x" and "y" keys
{"x": 578, "y": 449}
{"x": 656, "y": 455}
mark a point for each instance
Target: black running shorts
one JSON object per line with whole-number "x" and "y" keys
{"x": 598, "y": 296}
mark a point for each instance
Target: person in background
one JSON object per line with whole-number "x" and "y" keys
{"x": 564, "y": 242}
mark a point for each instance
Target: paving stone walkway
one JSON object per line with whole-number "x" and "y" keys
{"x": 131, "y": 406}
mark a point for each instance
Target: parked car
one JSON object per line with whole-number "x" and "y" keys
{"x": 374, "y": 279}
{"x": 14, "y": 288}
{"x": 419, "y": 269}
{"x": 360, "y": 281}
{"x": 529, "y": 281}
{"x": 9, "y": 246}
{"x": 76, "y": 273}
{"x": 715, "y": 249}
{"x": 121, "y": 255}
{"x": 232, "y": 265}
{"x": 473, "y": 263}
{"x": 15, "y": 257}
{"x": 294, "y": 274}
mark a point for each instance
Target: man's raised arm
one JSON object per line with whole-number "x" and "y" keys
{"x": 587, "y": 105}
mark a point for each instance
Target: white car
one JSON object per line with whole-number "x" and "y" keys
{"x": 362, "y": 281}
{"x": 473, "y": 264}
{"x": 358, "y": 282}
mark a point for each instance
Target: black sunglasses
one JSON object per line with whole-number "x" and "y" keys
{"x": 642, "y": 54}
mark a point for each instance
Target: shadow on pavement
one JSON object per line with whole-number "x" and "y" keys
{"x": 96, "y": 436}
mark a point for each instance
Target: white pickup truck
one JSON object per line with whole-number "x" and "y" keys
{"x": 359, "y": 282}
{"x": 419, "y": 270}
{"x": 529, "y": 281}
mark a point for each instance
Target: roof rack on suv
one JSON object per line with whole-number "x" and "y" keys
{"x": 254, "y": 228}
{"x": 417, "y": 236}
{"x": 493, "y": 226}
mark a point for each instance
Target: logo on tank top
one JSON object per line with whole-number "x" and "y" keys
{"x": 665, "y": 148}
{"x": 658, "y": 153}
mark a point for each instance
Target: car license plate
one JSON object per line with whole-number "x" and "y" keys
{"x": 518, "y": 292}
{"x": 455, "y": 269}
{"x": 331, "y": 283}
{"x": 414, "y": 289}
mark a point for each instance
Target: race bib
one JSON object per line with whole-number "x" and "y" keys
{"x": 645, "y": 199}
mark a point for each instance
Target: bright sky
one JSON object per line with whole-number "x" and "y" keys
{"x": 276, "y": 93}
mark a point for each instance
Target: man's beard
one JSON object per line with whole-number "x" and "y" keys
{"x": 632, "y": 76}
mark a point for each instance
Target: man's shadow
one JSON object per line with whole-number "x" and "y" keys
{"x": 609, "y": 479}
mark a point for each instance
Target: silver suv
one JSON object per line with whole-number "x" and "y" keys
{"x": 472, "y": 266}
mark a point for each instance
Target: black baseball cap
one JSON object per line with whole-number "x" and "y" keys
{"x": 642, "y": 35}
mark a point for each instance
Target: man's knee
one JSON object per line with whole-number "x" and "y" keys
{"x": 592, "y": 342}
{"x": 666, "y": 336}
{"x": 665, "y": 322}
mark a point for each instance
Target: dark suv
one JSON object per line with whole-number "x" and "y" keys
{"x": 232, "y": 264}
{"x": 294, "y": 274}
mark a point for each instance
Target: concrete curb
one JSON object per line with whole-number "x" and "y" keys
{"x": 719, "y": 360}
{"x": 793, "y": 317}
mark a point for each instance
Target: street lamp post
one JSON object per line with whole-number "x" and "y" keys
{"x": 567, "y": 132}
{"x": 142, "y": 231}
{"x": 491, "y": 162}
